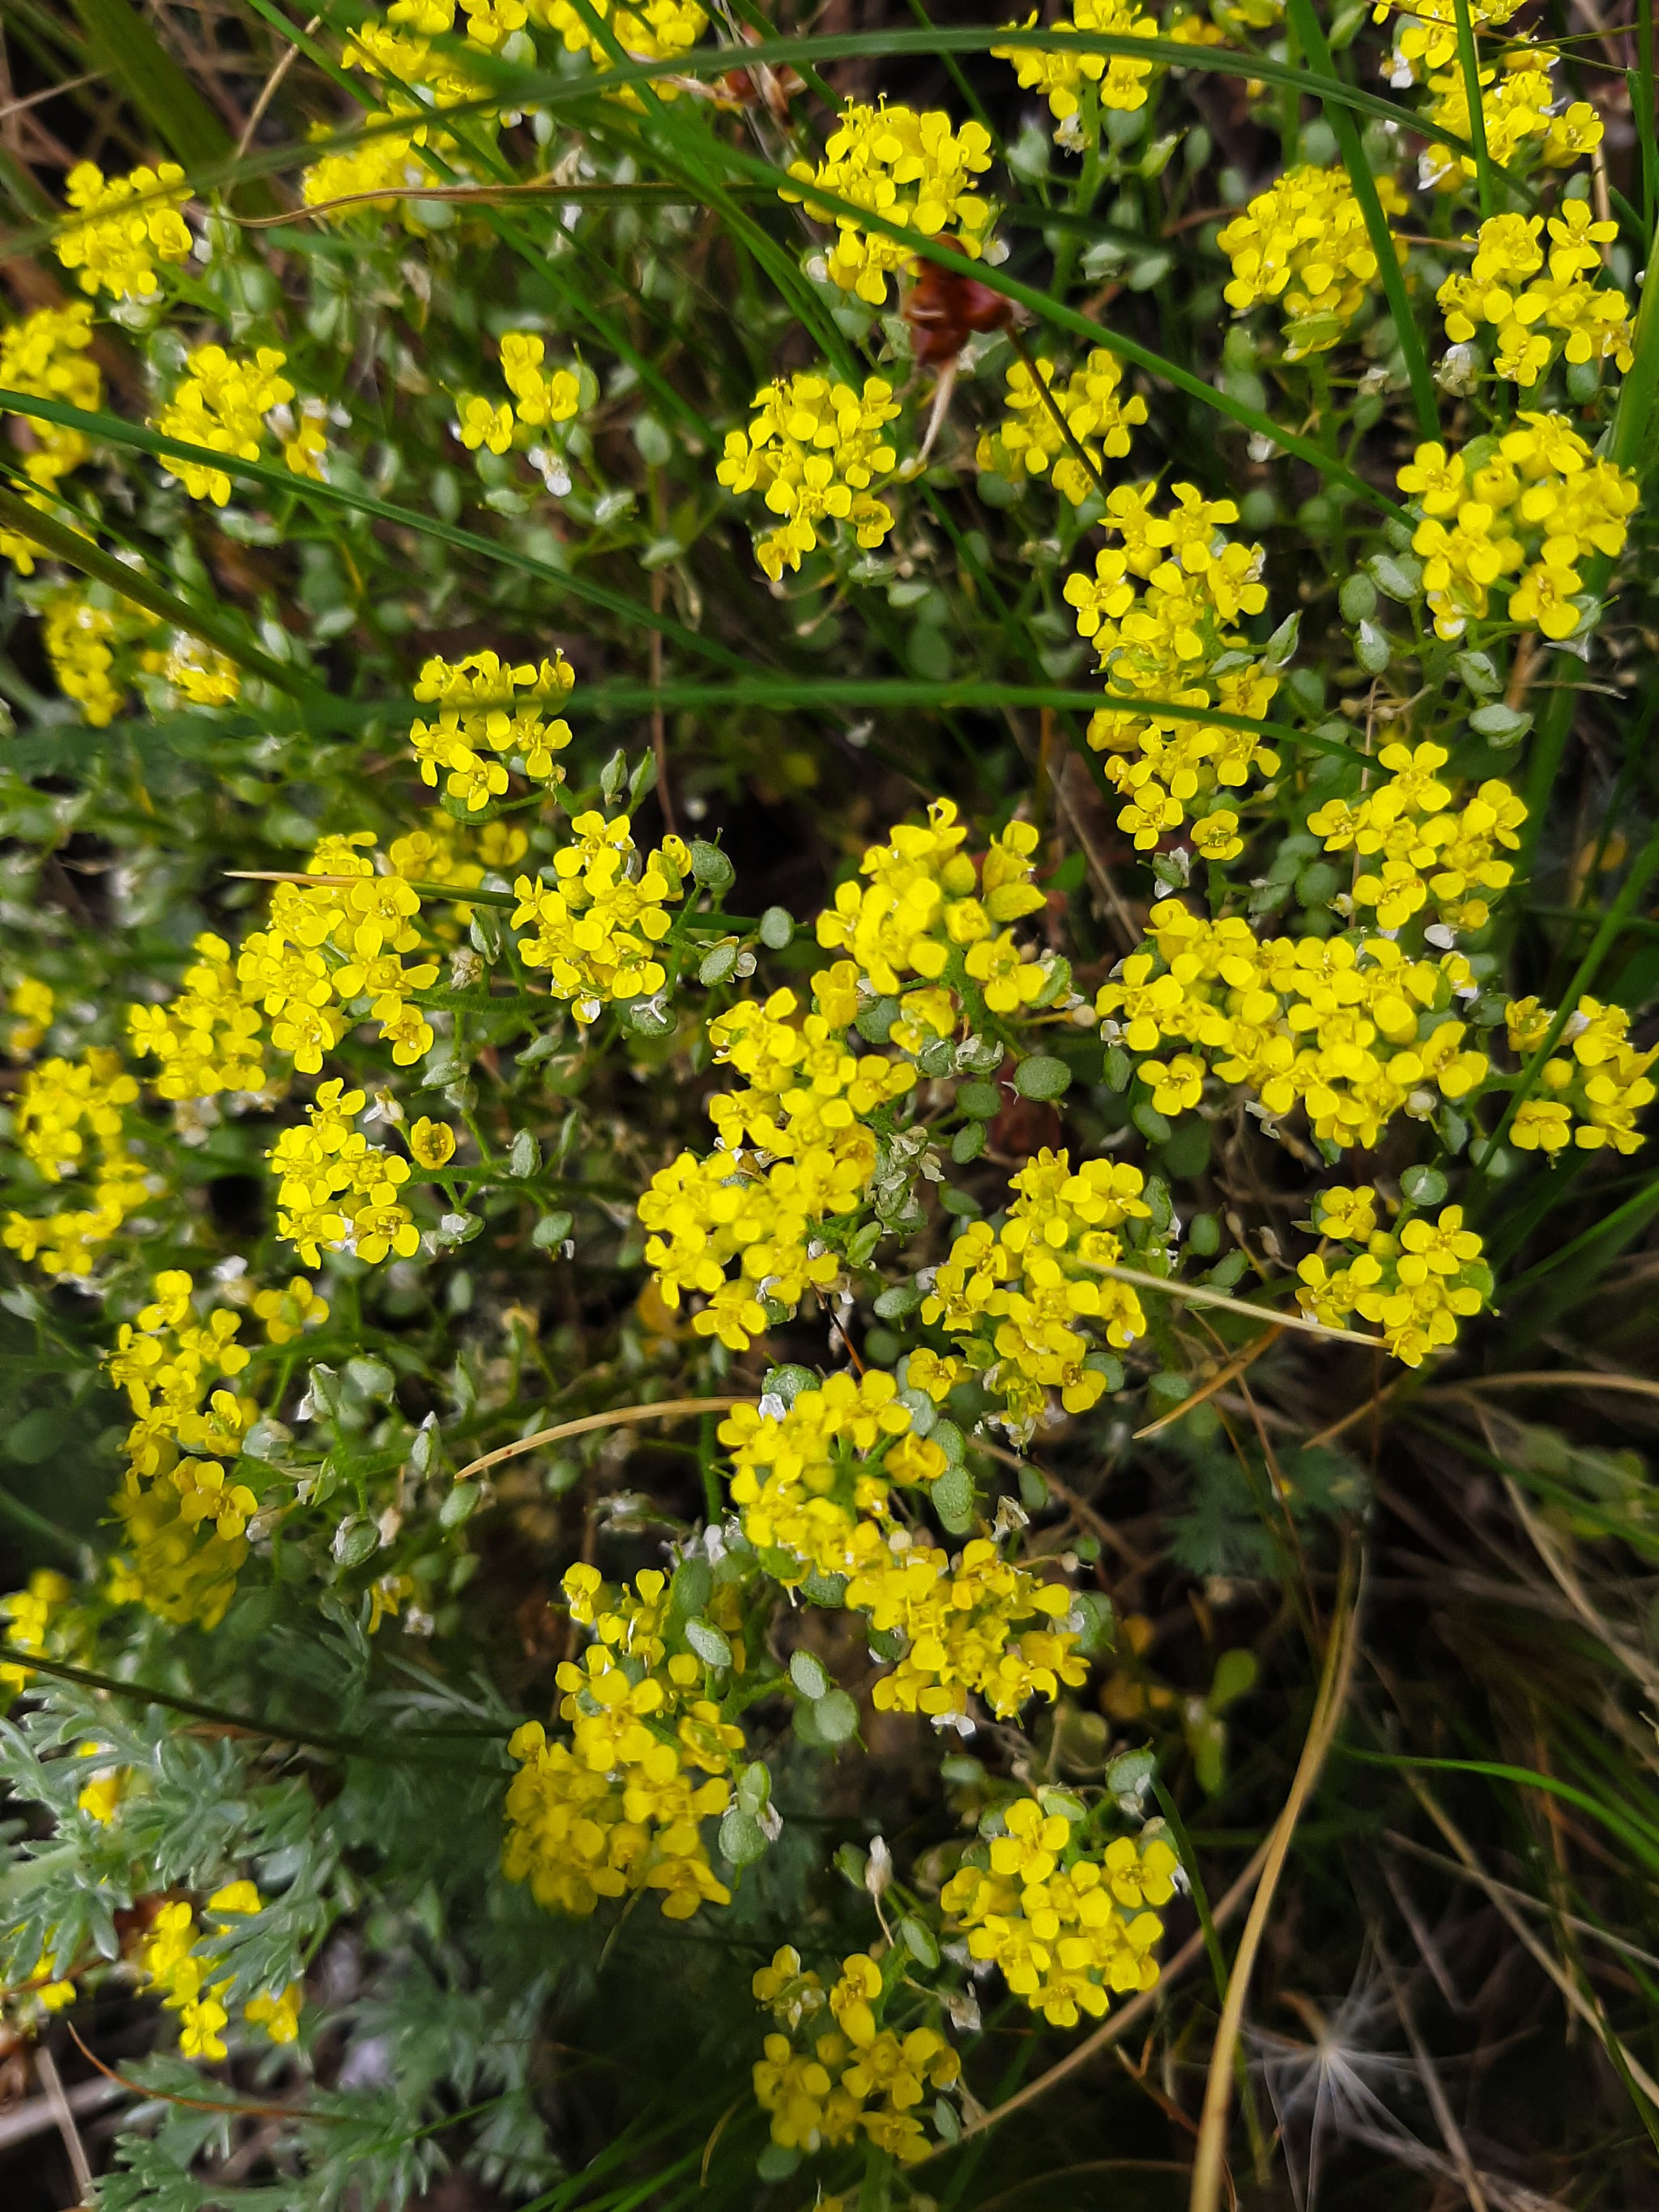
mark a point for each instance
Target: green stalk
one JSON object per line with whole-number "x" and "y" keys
{"x": 1469, "y": 62}
{"x": 1644, "y": 114}
{"x": 1425, "y": 398}
{"x": 1632, "y": 444}
{"x": 78, "y": 551}
{"x": 1646, "y": 866}
{"x": 111, "y": 429}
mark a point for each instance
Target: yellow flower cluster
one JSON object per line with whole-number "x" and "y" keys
{"x": 1536, "y": 495}
{"x": 185, "y": 1522}
{"x": 64, "y": 1109}
{"x": 1427, "y": 39}
{"x": 619, "y": 1807}
{"x": 130, "y": 224}
{"x": 815, "y": 449}
{"x": 813, "y": 1482}
{"x": 222, "y": 403}
{"x": 1028, "y": 441}
{"x": 702, "y": 1214}
{"x": 32, "y": 1002}
{"x": 926, "y": 923}
{"x": 80, "y": 635}
{"x": 1019, "y": 1299}
{"x": 1532, "y": 314}
{"x": 389, "y": 167}
{"x": 180, "y": 1962}
{"x": 44, "y": 357}
{"x": 1174, "y": 641}
{"x": 537, "y": 401}
{"x": 1069, "y": 1927}
{"x": 1415, "y": 1284}
{"x": 1351, "y": 1033}
{"x": 207, "y": 1038}
{"x": 1515, "y": 108}
{"x": 1414, "y": 847}
{"x": 596, "y": 925}
{"x": 491, "y": 715}
{"x": 367, "y": 924}
{"x": 813, "y": 1485}
{"x": 1599, "y": 1082}
{"x": 336, "y": 1190}
{"x": 830, "y": 2069}
{"x": 921, "y": 912}
{"x": 1304, "y": 242}
{"x": 645, "y": 30}
{"x": 411, "y": 64}
{"x": 914, "y": 172}
{"x": 28, "y": 1614}
{"x": 1117, "y": 81}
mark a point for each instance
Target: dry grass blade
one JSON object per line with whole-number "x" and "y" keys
{"x": 1196, "y": 1294}
{"x": 1559, "y": 1378}
{"x": 1222, "y": 1376}
{"x": 1496, "y": 1888}
{"x": 46, "y": 2066}
{"x": 1341, "y": 1645}
{"x": 619, "y": 1417}
{"x": 1450, "y": 2134}
{"x": 1589, "y": 2012}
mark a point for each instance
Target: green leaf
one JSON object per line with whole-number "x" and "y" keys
{"x": 707, "y": 1641}
{"x": 1235, "y": 1677}
{"x": 837, "y": 1716}
{"x": 79, "y": 552}
{"x": 127, "y": 48}
{"x": 1043, "y": 1077}
{"x": 808, "y": 1674}
{"x": 742, "y": 1839}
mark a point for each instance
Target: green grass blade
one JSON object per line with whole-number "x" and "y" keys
{"x": 1468, "y": 62}
{"x": 1424, "y": 399}
{"x": 68, "y": 545}
{"x": 112, "y": 430}
{"x": 1644, "y": 867}
{"x": 1640, "y": 1836}
{"x": 785, "y": 695}
{"x": 144, "y": 71}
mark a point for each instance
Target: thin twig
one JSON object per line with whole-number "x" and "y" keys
{"x": 1496, "y": 1888}
{"x": 51, "y": 2081}
{"x": 1588, "y": 2012}
{"x": 1355, "y": 1414}
{"x": 618, "y": 1418}
{"x": 269, "y": 92}
{"x": 1340, "y": 1645}
{"x": 1222, "y": 1376}
{"x": 1444, "y": 2118}
{"x": 53, "y": 91}
{"x": 237, "y": 2107}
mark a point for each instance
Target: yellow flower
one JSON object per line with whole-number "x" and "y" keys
{"x": 432, "y": 1143}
